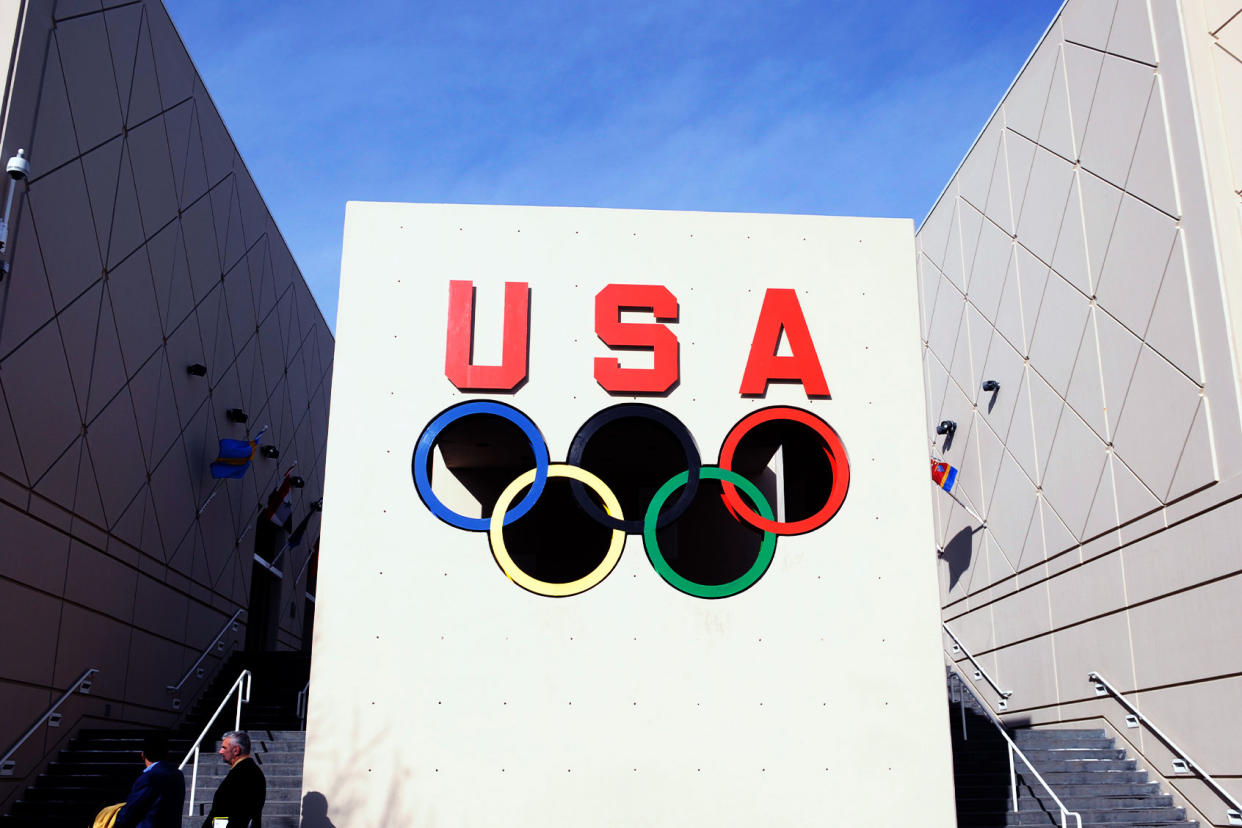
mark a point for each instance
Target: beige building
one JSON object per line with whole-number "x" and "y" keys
{"x": 1086, "y": 262}
{"x": 138, "y": 246}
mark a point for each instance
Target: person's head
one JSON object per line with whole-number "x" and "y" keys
{"x": 235, "y": 746}
{"x": 154, "y": 748}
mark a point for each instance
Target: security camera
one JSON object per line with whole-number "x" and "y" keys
{"x": 18, "y": 167}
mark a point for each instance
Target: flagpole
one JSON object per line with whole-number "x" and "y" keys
{"x": 969, "y": 510}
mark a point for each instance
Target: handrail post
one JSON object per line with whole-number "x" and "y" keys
{"x": 237, "y": 718}
{"x": 193, "y": 782}
{"x": 242, "y": 688}
{"x": 961, "y": 704}
{"x": 1013, "y": 780}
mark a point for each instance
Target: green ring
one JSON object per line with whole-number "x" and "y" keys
{"x": 767, "y": 549}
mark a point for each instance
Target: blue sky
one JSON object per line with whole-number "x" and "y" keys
{"x": 859, "y": 108}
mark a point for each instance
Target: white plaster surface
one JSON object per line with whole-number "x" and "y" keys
{"x": 443, "y": 693}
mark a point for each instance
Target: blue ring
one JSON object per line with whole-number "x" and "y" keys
{"x": 422, "y": 454}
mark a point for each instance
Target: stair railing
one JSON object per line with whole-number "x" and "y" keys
{"x": 216, "y": 643}
{"x": 1066, "y": 813}
{"x": 303, "y": 697}
{"x": 980, "y": 673}
{"x": 242, "y": 687}
{"x": 1182, "y": 764}
{"x": 7, "y": 764}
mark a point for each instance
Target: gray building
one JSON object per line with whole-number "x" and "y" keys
{"x": 139, "y": 246}
{"x": 1087, "y": 259}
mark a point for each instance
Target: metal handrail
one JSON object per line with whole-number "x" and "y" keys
{"x": 7, "y": 764}
{"x": 1102, "y": 686}
{"x": 979, "y": 671}
{"x": 242, "y": 686}
{"x": 232, "y": 622}
{"x": 303, "y": 695}
{"x": 1013, "y": 748}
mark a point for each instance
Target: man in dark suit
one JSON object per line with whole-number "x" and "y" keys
{"x": 241, "y": 795}
{"x": 158, "y": 795}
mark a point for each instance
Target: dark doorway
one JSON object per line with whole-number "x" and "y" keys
{"x": 263, "y": 615}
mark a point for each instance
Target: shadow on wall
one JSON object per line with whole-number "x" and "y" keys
{"x": 315, "y": 811}
{"x": 957, "y": 553}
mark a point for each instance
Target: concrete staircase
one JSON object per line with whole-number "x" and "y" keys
{"x": 279, "y": 753}
{"x": 1088, "y": 772}
{"x": 98, "y": 766}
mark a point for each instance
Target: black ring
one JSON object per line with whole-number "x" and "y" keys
{"x": 634, "y": 526}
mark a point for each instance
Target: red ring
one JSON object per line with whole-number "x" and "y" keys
{"x": 837, "y": 460}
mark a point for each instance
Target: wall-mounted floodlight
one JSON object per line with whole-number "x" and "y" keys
{"x": 270, "y": 452}
{"x": 196, "y": 369}
{"x": 236, "y": 415}
{"x": 297, "y": 482}
{"x": 947, "y": 427}
{"x": 991, "y": 385}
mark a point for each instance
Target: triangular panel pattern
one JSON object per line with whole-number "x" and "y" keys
{"x": 1151, "y": 172}
{"x": 25, "y": 298}
{"x": 41, "y": 400}
{"x": 1130, "y": 36}
{"x": 89, "y": 79}
{"x": 1057, "y": 131}
{"x": 144, "y": 96}
{"x": 1139, "y": 252}
{"x": 1025, "y": 103}
{"x": 108, "y": 371}
{"x": 78, "y": 326}
{"x": 1197, "y": 465}
{"x": 1160, "y": 405}
{"x": 1172, "y": 330}
{"x": 122, "y": 26}
{"x": 53, "y": 132}
{"x": 1086, "y": 389}
{"x": 1082, "y": 76}
{"x": 11, "y": 462}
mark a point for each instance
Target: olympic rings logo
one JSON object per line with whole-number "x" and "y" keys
{"x": 742, "y": 498}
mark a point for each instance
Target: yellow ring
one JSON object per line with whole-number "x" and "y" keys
{"x": 496, "y": 534}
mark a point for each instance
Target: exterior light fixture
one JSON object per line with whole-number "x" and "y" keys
{"x": 947, "y": 427}
{"x": 991, "y": 385}
{"x": 196, "y": 369}
{"x": 270, "y": 452}
{"x": 297, "y": 482}
{"x": 18, "y": 169}
{"x": 236, "y": 415}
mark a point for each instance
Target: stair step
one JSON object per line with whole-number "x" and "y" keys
{"x": 1086, "y": 770}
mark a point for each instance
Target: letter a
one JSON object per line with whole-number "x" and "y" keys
{"x": 781, "y": 311}
{"x": 458, "y": 352}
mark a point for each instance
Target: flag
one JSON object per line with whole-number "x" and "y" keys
{"x": 943, "y": 475}
{"x": 296, "y": 537}
{"x": 279, "y": 505}
{"x": 234, "y": 456}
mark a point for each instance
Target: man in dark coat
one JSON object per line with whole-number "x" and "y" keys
{"x": 241, "y": 795}
{"x": 158, "y": 795}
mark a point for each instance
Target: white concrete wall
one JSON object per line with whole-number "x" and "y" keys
{"x": 1086, "y": 257}
{"x": 442, "y": 692}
